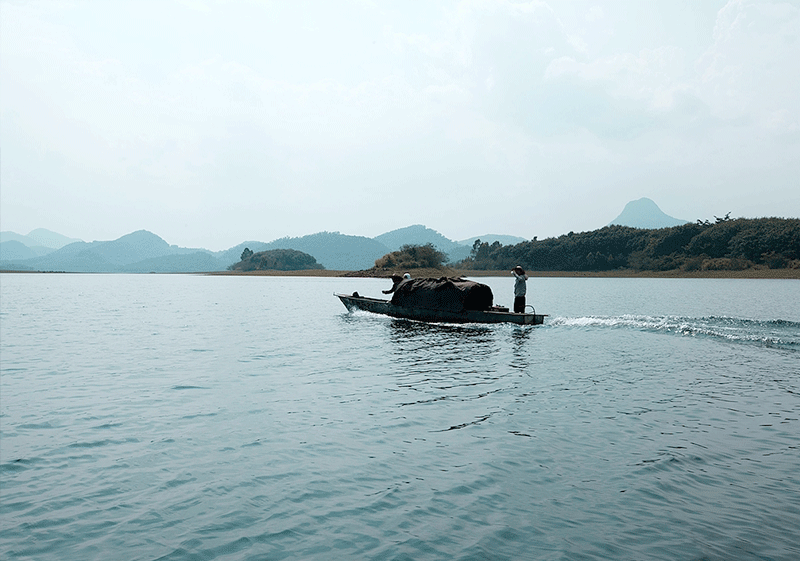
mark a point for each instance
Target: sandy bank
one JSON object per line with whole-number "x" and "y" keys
{"x": 418, "y": 273}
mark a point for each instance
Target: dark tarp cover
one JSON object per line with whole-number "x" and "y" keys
{"x": 446, "y": 294}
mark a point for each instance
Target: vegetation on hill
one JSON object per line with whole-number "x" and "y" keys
{"x": 412, "y": 257}
{"x": 727, "y": 244}
{"x": 275, "y": 260}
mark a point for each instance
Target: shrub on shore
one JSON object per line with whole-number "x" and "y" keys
{"x": 275, "y": 260}
{"x": 412, "y": 257}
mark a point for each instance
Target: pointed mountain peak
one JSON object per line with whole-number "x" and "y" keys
{"x": 645, "y": 213}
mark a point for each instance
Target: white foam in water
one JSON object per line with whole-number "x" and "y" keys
{"x": 773, "y": 333}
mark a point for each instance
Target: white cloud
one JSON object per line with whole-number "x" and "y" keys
{"x": 751, "y": 69}
{"x": 278, "y": 119}
{"x": 651, "y": 76}
{"x": 595, "y": 13}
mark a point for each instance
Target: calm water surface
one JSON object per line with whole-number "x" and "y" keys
{"x": 189, "y": 417}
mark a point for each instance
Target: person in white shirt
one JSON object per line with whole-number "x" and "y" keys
{"x": 520, "y": 288}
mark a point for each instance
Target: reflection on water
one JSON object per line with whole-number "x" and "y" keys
{"x": 520, "y": 337}
{"x": 442, "y": 335}
{"x": 436, "y": 359}
{"x": 466, "y": 363}
{"x": 417, "y": 343}
{"x": 444, "y": 362}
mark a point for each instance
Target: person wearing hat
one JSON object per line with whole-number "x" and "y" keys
{"x": 396, "y": 280}
{"x": 520, "y": 288}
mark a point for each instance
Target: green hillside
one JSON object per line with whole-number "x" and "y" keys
{"x": 724, "y": 245}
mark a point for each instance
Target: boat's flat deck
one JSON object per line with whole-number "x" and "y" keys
{"x": 385, "y": 307}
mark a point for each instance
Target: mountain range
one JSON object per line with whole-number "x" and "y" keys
{"x": 144, "y": 252}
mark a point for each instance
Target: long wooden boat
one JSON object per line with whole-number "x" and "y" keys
{"x": 355, "y": 302}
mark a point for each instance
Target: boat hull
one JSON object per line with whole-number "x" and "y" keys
{"x": 376, "y": 306}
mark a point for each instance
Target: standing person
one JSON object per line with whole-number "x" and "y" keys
{"x": 519, "y": 289}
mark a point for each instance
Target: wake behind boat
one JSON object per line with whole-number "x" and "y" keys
{"x": 442, "y": 300}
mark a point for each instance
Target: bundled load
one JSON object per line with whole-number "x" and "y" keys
{"x": 445, "y": 294}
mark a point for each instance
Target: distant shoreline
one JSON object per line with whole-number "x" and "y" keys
{"x": 793, "y": 274}
{"x": 786, "y": 274}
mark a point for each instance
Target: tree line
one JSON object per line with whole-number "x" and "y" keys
{"x": 726, "y": 244}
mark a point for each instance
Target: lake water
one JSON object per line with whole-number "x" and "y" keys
{"x": 179, "y": 417}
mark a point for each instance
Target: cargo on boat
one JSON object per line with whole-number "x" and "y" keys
{"x": 445, "y": 300}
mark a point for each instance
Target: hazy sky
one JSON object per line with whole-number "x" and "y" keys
{"x": 210, "y": 123}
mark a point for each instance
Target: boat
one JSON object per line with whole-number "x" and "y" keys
{"x": 494, "y": 314}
